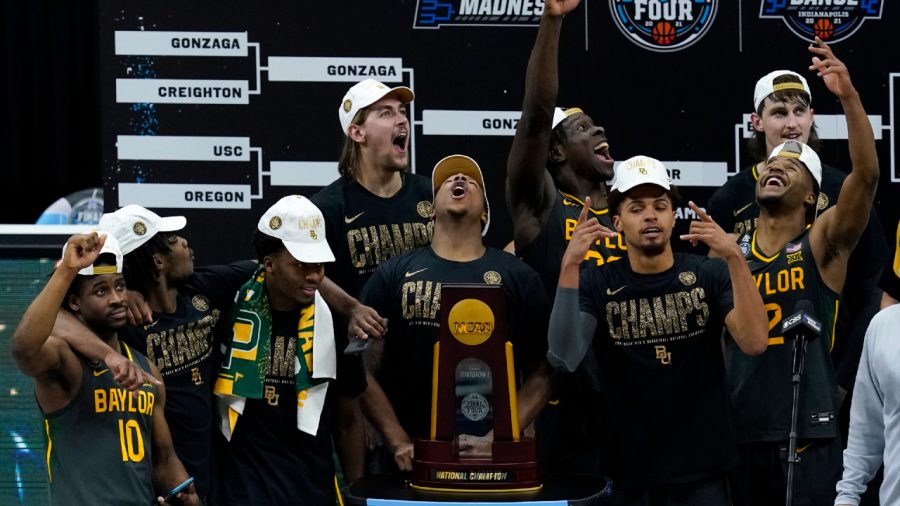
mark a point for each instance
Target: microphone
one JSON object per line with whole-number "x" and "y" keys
{"x": 802, "y": 323}
{"x": 802, "y": 327}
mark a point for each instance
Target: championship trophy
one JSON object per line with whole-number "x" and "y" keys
{"x": 473, "y": 392}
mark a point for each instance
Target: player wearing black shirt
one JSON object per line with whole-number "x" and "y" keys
{"x": 283, "y": 372}
{"x": 782, "y": 101}
{"x": 179, "y": 336}
{"x": 654, "y": 323}
{"x": 376, "y": 209}
{"x": 408, "y": 288}
{"x": 790, "y": 265}
{"x": 558, "y": 156}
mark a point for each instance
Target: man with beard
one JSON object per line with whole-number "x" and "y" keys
{"x": 557, "y": 157}
{"x": 407, "y": 289}
{"x": 654, "y": 322}
{"x": 783, "y": 111}
{"x": 376, "y": 209}
{"x": 794, "y": 258}
{"x": 105, "y": 445}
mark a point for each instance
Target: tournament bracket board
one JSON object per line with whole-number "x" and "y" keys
{"x": 215, "y": 110}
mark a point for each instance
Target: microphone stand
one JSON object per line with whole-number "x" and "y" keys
{"x": 799, "y": 355}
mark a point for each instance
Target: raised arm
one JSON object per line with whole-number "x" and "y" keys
{"x": 570, "y": 333}
{"x": 839, "y": 228}
{"x": 747, "y": 321}
{"x": 34, "y": 351}
{"x": 529, "y": 188}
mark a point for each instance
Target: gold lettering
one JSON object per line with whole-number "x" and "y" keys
{"x": 270, "y": 396}
{"x": 387, "y": 245}
{"x": 684, "y": 305}
{"x": 698, "y": 295}
{"x": 357, "y": 258}
{"x": 646, "y": 318}
{"x": 612, "y": 309}
{"x": 797, "y": 278}
{"x": 666, "y": 315}
{"x": 100, "y": 401}
{"x": 407, "y": 308}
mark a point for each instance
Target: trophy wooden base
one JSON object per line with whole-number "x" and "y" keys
{"x": 512, "y": 467}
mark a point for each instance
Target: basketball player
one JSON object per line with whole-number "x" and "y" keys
{"x": 794, "y": 258}
{"x": 376, "y": 209}
{"x": 407, "y": 289}
{"x": 101, "y": 437}
{"x": 283, "y": 371}
{"x": 654, "y": 322}
{"x": 186, "y": 305}
{"x": 783, "y": 111}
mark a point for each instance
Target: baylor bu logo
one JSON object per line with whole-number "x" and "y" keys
{"x": 471, "y": 322}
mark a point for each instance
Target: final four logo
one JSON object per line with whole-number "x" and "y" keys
{"x": 663, "y": 25}
{"x": 830, "y": 20}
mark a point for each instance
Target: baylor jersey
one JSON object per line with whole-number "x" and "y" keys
{"x": 98, "y": 446}
{"x": 544, "y": 253}
{"x": 760, "y": 386}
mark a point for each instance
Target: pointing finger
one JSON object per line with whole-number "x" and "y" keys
{"x": 700, "y": 212}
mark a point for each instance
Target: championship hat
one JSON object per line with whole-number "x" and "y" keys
{"x": 300, "y": 226}
{"x": 365, "y": 93}
{"x": 113, "y": 266}
{"x": 134, "y": 225}
{"x": 639, "y": 170}
{"x": 766, "y": 86}
{"x": 559, "y": 114}
{"x": 460, "y": 164}
{"x": 802, "y": 152}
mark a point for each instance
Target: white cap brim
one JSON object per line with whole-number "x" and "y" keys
{"x": 310, "y": 253}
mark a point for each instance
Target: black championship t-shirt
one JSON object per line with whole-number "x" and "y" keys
{"x": 364, "y": 229}
{"x": 407, "y": 290}
{"x": 658, "y": 343}
{"x": 182, "y": 346}
{"x": 761, "y": 389}
{"x": 269, "y": 460}
{"x": 544, "y": 253}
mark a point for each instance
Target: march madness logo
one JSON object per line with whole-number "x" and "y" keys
{"x": 830, "y": 20}
{"x": 663, "y": 25}
{"x": 437, "y": 13}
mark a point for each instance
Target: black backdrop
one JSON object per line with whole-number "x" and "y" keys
{"x": 682, "y": 105}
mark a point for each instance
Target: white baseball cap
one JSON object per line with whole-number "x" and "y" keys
{"x": 802, "y": 152}
{"x": 451, "y": 165}
{"x": 134, "y": 225}
{"x": 559, "y": 114}
{"x": 365, "y": 93}
{"x": 639, "y": 170}
{"x": 766, "y": 86}
{"x": 110, "y": 246}
{"x": 300, "y": 226}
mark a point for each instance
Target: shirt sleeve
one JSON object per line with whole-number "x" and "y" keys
{"x": 865, "y": 441}
{"x": 221, "y": 282}
{"x": 571, "y": 331}
{"x": 720, "y": 284}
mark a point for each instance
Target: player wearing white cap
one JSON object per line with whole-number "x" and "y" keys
{"x": 794, "y": 258}
{"x": 654, "y": 321}
{"x": 375, "y": 210}
{"x": 558, "y": 156}
{"x": 106, "y": 445}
